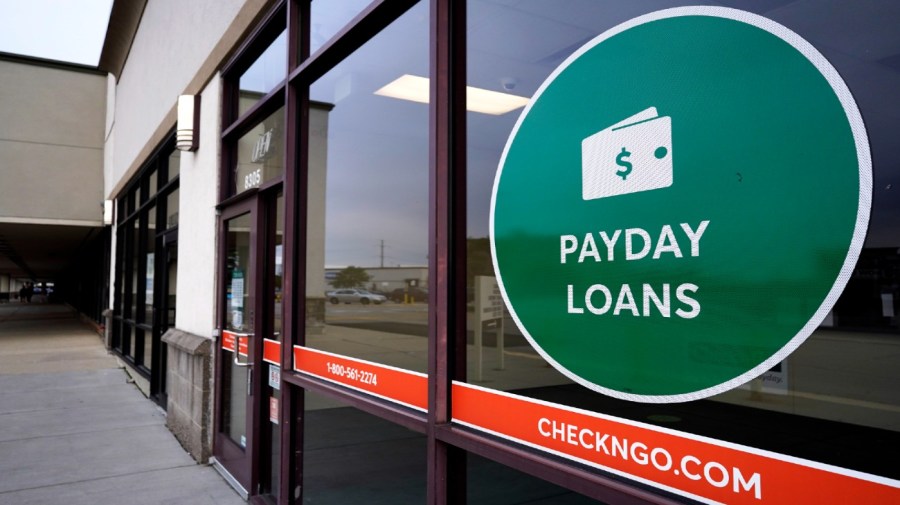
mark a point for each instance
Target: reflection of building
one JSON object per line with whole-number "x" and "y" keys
{"x": 212, "y": 265}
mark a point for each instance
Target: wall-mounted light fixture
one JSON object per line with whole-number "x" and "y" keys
{"x": 188, "y": 131}
{"x": 108, "y": 211}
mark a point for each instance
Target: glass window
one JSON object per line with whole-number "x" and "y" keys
{"x": 143, "y": 339}
{"x": 149, "y": 269}
{"x": 490, "y": 483}
{"x": 350, "y": 456}
{"x": 260, "y": 153}
{"x": 146, "y": 189}
{"x": 328, "y": 18}
{"x": 172, "y": 209}
{"x": 276, "y": 262}
{"x": 174, "y": 164}
{"x": 152, "y": 183}
{"x": 131, "y": 199}
{"x": 117, "y": 334}
{"x": 137, "y": 281}
{"x": 127, "y": 339}
{"x": 367, "y": 228}
{"x": 135, "y": 265}
{"x": 239, "y": 307}
{"x": 841, "y": 379}
{"x": 264, "y": 74}
{"x": 122, "y": 208}
{"x": 121, "y": 240}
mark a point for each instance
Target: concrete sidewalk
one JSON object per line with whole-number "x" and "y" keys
{"x": 74, "y": 431}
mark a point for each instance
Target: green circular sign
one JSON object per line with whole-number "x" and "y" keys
{"x": 681, "y": 204}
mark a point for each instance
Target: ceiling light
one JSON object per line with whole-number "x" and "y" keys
{"x": 416, "y": 89}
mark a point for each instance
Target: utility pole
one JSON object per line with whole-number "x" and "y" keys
{"x": 382, "y": 253}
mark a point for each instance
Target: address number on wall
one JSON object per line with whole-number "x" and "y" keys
{"x": 253, "y": 179}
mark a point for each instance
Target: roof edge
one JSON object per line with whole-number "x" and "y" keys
{"x": 124, "y": 19}
{"x": 48, "y": 63}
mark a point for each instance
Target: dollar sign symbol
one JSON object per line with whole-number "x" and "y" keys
{"x": 620, "y": 160}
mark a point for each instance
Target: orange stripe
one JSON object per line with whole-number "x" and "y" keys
{"x": 272, "y": 351}
{"x": 731, "y": 468}
{"x": 401, "y": 386}
{"x": 229, "y": 338}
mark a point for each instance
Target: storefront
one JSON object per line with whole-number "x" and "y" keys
{"x": 722, "y": 330}
{"x": 147, "y": 270}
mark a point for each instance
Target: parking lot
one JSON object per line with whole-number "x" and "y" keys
{"x": 413, "y": 313}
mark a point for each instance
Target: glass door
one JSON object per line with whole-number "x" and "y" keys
{"x": 237, "y": 318}
{"x": 248, "y": 434}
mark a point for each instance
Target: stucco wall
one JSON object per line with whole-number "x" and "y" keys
{"x": 51, "y": 144}
{"x": 198, "y": 191}
{"x": 176, "y": 43}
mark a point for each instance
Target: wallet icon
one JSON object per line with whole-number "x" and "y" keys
{"x": 630, "y": 156}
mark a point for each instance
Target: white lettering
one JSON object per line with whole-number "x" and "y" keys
{"x": 667, "y": 459}
{"x": 567, "y": 245}
{"x": 687, "y": 300}
{"x": 588, "y": 299}
{"x": 662, "y": 306}
{"x": 581, "y": 438}
{"x": 571, "y": 303}
{"x": 626, "y": 301}
{"x": 610, "y": 243}
{"x": 589, "y": 248}
{"x": 558, "y": 430}
{"x": 707, "y": 472}
{"x": 639, "y": 453}
{"x": 621, "y": 447}
{"x": 629, "y": 244}
{"x": 712, "y": 473}
{"x": 541, "y": 423}
{"x": 684, "y": 468}
{"x": 666, "y": 243}
{"x": 694, "y": 236}
{"x": 753, "y": 483}
{"x": 601, "y": 443}
{"x": 653, "y": 301}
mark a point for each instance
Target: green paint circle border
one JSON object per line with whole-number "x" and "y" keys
{"x": 863, "y": 153}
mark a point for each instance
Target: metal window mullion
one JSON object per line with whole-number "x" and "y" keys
{"x": 266, "y": 31}
{"x": 368, "y": 23}
{"x": 259, "y": 111}
{"x": 296, "y": 101}
{"x": 446, "y": 269}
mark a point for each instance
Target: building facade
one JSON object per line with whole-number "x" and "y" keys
{"x": 52, "y": 234}
{"x": 326, "y": 128}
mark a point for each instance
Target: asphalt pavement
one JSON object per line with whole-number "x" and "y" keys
{"x": 75, "y": 431}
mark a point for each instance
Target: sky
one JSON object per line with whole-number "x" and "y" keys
{"x": 65, "y": 30}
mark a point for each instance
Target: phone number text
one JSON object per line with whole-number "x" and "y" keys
{"x": 353, "y": 374}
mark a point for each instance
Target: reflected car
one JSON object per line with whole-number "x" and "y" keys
{"x": 354, "y": 296}
{"x": 415, "y": 295}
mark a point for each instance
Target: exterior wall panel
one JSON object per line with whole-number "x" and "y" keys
{"x": 51, "y": 144}
{"x": 197, "y": 221}
{"x": 172, "y": 43}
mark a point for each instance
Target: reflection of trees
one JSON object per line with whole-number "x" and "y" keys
{"x": 351, "y": 277}
{"x": 478, "y": 252}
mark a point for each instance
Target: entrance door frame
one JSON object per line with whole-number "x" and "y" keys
{"x": 237, "y": 461}
{"x": 246, "y": 466}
